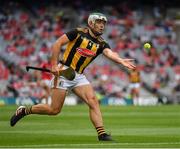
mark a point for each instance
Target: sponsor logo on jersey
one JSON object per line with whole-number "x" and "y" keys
{"x": 85, "y": 52}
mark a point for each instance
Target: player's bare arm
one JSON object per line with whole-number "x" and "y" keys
{"x": 115, "y": 57}
{"x": 56, "y": 47}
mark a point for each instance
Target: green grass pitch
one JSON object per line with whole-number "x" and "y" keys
{"x": 131, "y": 127}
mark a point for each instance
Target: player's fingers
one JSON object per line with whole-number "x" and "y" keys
{"x": 55, "y": 70}
{"x": 131, "y": 66}
{"x": 131, "y": 63}
{"x": 56, "y": 73}
{"x": 129, "y": 59}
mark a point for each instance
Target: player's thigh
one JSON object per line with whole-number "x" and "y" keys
{"x": 86, "y": 93}
{"x": 58, "y": 97}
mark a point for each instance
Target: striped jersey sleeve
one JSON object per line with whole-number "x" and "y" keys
{"x": 72, "y": 34}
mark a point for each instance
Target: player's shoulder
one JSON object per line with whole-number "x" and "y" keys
{"x": 102, "y": 40}
{"x": 82, "y": 29}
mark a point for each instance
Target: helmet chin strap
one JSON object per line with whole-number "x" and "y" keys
{"x": 95, "y": 32}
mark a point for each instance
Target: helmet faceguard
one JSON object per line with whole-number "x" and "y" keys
{"x": 92, "y": 20}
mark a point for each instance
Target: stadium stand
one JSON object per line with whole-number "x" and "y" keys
{"x": 27, "y": 32}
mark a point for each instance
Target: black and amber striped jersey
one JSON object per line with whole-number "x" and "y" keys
{"x": 134, "y": 76}
{"x": 81, "y": 40}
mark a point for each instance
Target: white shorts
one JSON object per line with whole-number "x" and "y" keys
{"x": 47, "y": 82}
{"x": 63, "y": 83}
{"x": 134, "y": 85}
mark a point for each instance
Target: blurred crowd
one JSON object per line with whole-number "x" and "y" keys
{"x": 27, "y": 32}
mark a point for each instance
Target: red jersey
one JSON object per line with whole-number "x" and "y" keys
{"x": 46, "y": 75}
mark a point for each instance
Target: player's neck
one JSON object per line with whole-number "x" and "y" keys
{"x": 92, "y": 34}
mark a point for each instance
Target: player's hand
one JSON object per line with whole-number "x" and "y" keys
{"x": 128, "y": 63}
{"x": 55, "y": 70}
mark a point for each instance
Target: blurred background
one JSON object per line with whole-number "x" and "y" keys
{"x": 29, "y": 28}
